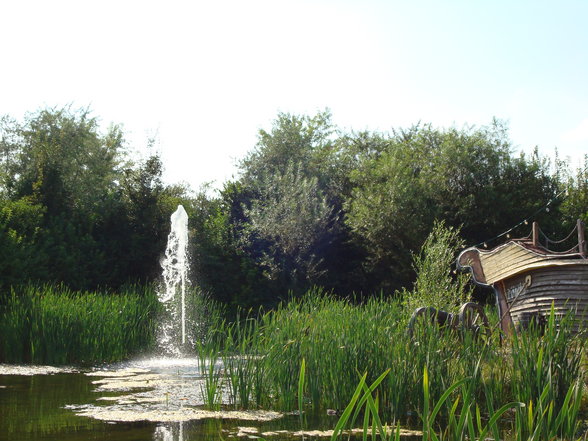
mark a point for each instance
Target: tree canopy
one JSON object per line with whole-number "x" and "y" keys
{"x": 313, "y": 205}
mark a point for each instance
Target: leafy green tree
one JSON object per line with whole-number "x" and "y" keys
{"x": 293, "y": 218}
{"x": 222, "y": 267}
{"x": 467, "y": 178}
{"x": 149, "y": 225}
{"x": 104, "y": 220}
{"x": 293, "y": 140}
{"x": 60, "y": 158}
{"x": 20, "y": 258}
{"x": 575, "y": 200}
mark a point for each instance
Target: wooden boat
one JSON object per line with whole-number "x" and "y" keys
{"x": 528, "y": 279}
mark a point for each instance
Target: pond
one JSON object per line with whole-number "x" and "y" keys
{"x": 157, "y": 399}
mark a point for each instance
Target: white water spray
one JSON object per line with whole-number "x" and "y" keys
{"x": 175, "y": 278}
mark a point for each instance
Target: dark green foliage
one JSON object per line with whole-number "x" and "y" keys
{"x": 74, "y": 211}
{"x": 467, "y": 178}
{"x": 20, "y": 258}
{"x": 290, "y": 217}
{"x": 575, "y": 203}
{"x": 222, "y": 267}
{"x": 312, "y": 207}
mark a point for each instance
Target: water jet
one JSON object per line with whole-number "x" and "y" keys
{"x": 172, "y": 293}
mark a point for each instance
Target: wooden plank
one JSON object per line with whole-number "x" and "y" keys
{"x": 565, "y": 287}
{"x": 513, "y": 258}
{"x": 513, "y": 271}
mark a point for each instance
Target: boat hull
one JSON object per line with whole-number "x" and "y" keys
{"x": 530, "y": 295}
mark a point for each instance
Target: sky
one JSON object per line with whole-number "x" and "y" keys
{"x": 203, "y": 77}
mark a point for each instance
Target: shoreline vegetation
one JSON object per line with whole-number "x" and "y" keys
{"x": 311, "y": 265}
{"x": 321, "y": 352}
{"x": 44, "y": 324}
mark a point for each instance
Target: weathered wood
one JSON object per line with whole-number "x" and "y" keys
{"x": 511, "y": 259}
{"x": 581, "y": 239}
{"x": 529, "y": 279}
{"x": 536, "y": 234}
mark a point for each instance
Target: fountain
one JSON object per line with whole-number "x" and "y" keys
{"x": 175, "y": 280}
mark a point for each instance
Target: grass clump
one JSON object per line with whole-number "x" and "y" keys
{"x": 54, "y": 325}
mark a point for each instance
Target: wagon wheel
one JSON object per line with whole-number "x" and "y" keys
{"x": 473, "y": 319}
{"x": 428, "y": 316}
{"x": 419, "y": 317}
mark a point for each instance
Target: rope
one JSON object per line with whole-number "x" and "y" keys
{"x": 528, "y": 218}
{"x": 549, "y": 240}
{"x": 524, "y": 221}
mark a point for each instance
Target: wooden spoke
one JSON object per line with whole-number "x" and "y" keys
{"x": 473, "y": 319}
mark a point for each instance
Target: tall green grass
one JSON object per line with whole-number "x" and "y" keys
{"x": 547, "y": 377}
{"x": 541, "y": 421}
{"x": 338, "y": 340}
{"x": 54, "y": 325}
{"x": 341, "y": 341}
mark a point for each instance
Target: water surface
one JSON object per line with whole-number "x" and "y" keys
{"x": 155, "y": 400}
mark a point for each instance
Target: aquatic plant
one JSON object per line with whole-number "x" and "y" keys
{"x": 54, "y": 325}
{"x": 547, "y": 377}
{"x": 211, "y": 370}
{"x": 339, "y": 339}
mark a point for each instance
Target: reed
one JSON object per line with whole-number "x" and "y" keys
{"x": 538, "y": 421}
{"x": 464, "y": 420}
{"x": 212, "y": 386}
{"x": 242, "y": 365}
{"x": 54, "y": 325}
{"x": 547, "y": 377}
{"x": 340, "y": 341}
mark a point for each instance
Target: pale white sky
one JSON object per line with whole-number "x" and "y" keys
{"x": 206, "y": 76}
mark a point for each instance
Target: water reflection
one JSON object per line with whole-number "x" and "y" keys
{"x": 169, "y": 432}
{"x": 190, "y": 431}
{"x": 129, "y": 403}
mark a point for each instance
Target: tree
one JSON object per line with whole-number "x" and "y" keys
{"x": 61, "y": 160}
{"x": 292, "y": 220}
{"x": 299, "y": 167}
{"x": 57, "y": 159}
{"x": 20, "y": 258}
{"x": 293, "y": 140}
{"x": 222, "y": 267}
{"x": 104, "y": 220}
{"x": 467, "y": 178}
{"x": 575, "y": 202}
{"x": 148, "y": 204}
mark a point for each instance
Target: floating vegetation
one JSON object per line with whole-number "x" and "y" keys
{"x": 129, "y": 414}
{"x": 117, "y": 373}
{"x": 248, "y": 432}
{"x": 12, "y": 369}
{"x": 149, "y": 395}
